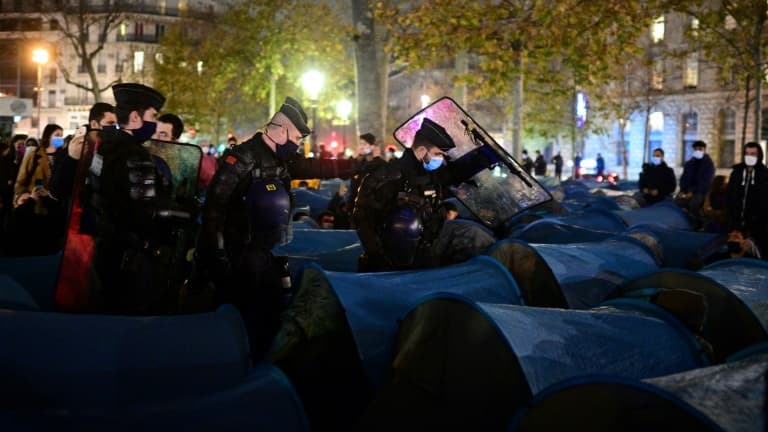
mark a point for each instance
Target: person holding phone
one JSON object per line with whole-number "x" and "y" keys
{"x": 37, "y": 219}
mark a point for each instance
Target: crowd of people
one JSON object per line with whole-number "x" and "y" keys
{"x": 138, "y": 223}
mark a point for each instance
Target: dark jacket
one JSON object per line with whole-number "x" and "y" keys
{"x": 405, "y": 182}
{"x": 660, "y": 177}
{"x": 697, "y": 175}
{"x": 540, "y": 166}
{"x": 225, "y": 215}
{"x": 747, "y": 197}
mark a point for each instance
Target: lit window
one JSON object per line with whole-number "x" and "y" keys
{"x": 138, "y": 61}
{"x": 657, "y": 75}
{"x": 691, "y": 76}
{"x": 694, "y": 27}
{"x": 159, "y": 58}
{"x": 730, "y": 22}
{"x": 656, "y": 121}
{"x": 199, "y": 67}
{"x": 657, "y": 30}
{"x": 122, "y": 29}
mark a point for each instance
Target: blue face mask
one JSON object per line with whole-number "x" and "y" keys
{"x": 433, "y": 164}
{"x": 145, "y": 132}
{"x": 656, "y": 160}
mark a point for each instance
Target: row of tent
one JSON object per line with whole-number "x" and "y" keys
{"x": 592, "y": 318}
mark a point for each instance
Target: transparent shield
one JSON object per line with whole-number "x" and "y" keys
{"x": 493, "y": 195}
{"x": 178, "y": 168}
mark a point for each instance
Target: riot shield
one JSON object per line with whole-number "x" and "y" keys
{"x": 493, "y": 195}
{"x": 177, "y": 168}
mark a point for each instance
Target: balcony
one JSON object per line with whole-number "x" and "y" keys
{"x": 145, "y": 38}
{"x": 78, "y": 100}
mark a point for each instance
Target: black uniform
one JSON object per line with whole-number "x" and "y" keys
{"x": 129, "y": 260}
{"x": 365, "y": 166}
{"x": 247, "y": 211}
{"x": 660, "y": 177}
{"x": 405, "y": 184}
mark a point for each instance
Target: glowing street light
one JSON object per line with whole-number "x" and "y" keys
{"x": 39, "y": 56}
{"x": 344, "y": 109}
{"x": 424, "y": 100}
{"x": 312, "y": 82}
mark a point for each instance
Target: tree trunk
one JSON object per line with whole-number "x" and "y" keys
{"x": 517, "y": 107}
{"x": 745, "y": 121}
{"x": 371, "y": 67}
{"x": 646, "y": 134}
{"x": 623, "y": 151}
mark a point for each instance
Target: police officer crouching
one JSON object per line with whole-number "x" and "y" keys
{"x": 399, "y": 209}
{"x": 247, "y": 212}
{"x": 123, "y": 202}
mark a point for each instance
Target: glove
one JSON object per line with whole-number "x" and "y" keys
{"x": 490, "y": 154}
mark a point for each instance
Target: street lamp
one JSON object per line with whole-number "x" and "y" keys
{"x": 312, "y": 82}
{"x": 39, "y": 56}
{"x": 344, "y": 109}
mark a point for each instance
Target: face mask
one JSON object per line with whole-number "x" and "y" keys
{"x": 656, "y": 160}
{"x": 434, "y": 163}
{"x": 734, "y": 247}
{"x": 287, "y": 150}
{"x": 57, "y": 142}
{"x": 145, "y": 132}
{"x": 109, "y": 128}
{"x": 750, "y": 160}
{"x": 698, "y": 154}
{"x": 367, "y": 151}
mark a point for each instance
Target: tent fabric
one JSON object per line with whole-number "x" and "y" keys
{"x": 747, "y": 279}
{"x": 469, "y": 366}
{"x": 691, "y": 400}
{"x": 556, "y": 231}
{"x": 13, "y": 296}
{"x": 263, "y": 401}
{"x": 554, "y": 344}
{"x": 664, "y": 213}
{"x": 729, "y": 325}
{"x": 460, "y": 240}
{"x": 63, "y": 361}
{"x": 538, "y": 285}
{"x": 374, "y": 302}
{"x": 682, "y": 248}
{"x": 37, "y": 274}
{"x": 336, "y": 250}
{"x": 317, "y": 202}
{"x": 587, "y": 273}
{"x": 601, "y": 220}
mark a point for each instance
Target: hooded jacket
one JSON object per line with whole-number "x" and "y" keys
{"x": 747, "y": 195}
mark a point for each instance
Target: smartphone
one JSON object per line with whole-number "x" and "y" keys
{"x": 57, "y": 141}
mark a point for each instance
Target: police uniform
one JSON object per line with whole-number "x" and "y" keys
{"x": 399, "y": 213}
{"x": 123, "y": 203}
{"x": 247, "y": 212}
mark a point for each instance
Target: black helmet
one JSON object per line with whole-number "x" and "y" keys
{"x": 402, "y": 232}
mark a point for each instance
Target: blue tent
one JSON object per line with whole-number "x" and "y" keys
{"x": 747, "y": 279}
{"x": 317, "y": 202}
{"x": 37, "y": 274}
{"x": 577, "y": 275}
{"x": 556, "y": 230}
{"x": 336, "y": 250}
{"x": 716, "y": 313}
{"x": 665, "y": 213}
{"x": 470, "y": 366}
{"x": 263, "y": 401}
{"x": 728, "y": 397}
{"x": 54, "y": 361}
{"x": 682, "y": 248}
{"x": 340, "y": 328}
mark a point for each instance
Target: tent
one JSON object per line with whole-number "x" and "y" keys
{"x": 463, "y": 365}
{"x": 336, "y": 250}
{"x": 692, "y": 400}
{"x": 577, "y": 275}
{"x": 338, "y": 332}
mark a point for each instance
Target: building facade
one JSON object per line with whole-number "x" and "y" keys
{"x": 127, "y": 53}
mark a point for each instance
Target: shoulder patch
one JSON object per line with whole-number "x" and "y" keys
{"x": 231, "y": 160}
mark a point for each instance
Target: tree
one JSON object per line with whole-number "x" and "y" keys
{"x": 734, "y": 35}
{"x": 225, "y": 75}
{"x": 75, "y": 22}
{"x": 556, "y": 46}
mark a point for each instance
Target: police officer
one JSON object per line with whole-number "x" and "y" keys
{"x": 124, "y": 204}
{"x": 399, "y": 210}
{"x": 247, "y": 211}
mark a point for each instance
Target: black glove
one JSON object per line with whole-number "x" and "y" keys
{"x": 490, "y": 154}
